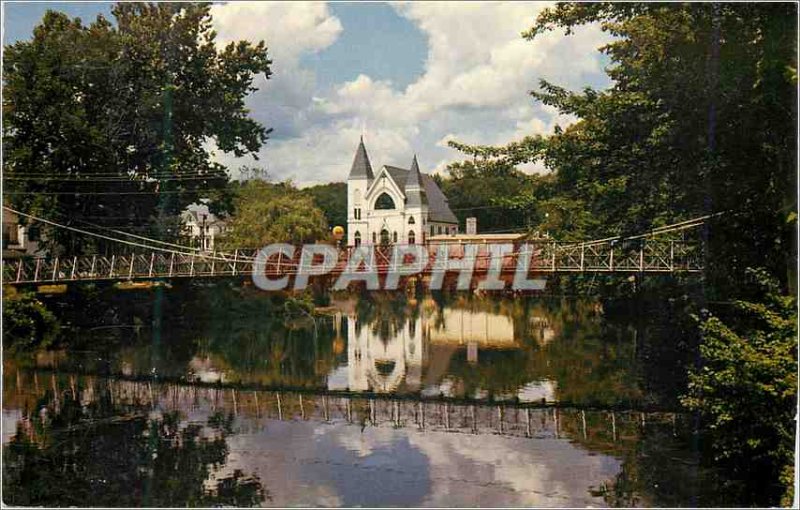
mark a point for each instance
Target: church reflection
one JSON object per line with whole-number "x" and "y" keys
{"x": 392, "y": 351}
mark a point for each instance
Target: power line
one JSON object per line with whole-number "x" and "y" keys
{"x": 116, "y": 179}
{"x": 103, "y": 193}
{"x": 112, "y": 239}
{"x": 157, "y": 241}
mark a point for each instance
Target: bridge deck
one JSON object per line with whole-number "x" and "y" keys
{"x": 543, "y": 256}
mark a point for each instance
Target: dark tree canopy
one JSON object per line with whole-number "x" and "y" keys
{"x": 332, "y": 199}
{"x": 109, "y": 123}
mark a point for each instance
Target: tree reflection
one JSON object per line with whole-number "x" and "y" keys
{"x": 98, "y": 454}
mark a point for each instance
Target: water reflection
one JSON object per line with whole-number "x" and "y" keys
{"x": 77, "y": 447}
{"x": 496, "y": 349}
{"x": 223, "y": 396}
{"x": 166, "y": 444}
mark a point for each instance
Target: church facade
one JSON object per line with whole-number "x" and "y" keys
{"x": 394, "y": 206}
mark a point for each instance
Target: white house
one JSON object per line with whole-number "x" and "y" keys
{"x": 396, "y": 206}
{"x": 201, "y": 226}
{"x": 17, "y": 239}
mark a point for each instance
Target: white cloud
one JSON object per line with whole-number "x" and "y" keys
{"x": 288, "y": 28}
{"x": 473, "y": 89}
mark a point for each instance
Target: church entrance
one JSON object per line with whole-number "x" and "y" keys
{"x": 385, "y": 237}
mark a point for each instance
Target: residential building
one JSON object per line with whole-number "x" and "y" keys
{"x": 201, "y": 226}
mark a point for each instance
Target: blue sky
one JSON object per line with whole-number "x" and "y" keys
{"x": 408, "y": 77}
{"x": 374, "y": 40}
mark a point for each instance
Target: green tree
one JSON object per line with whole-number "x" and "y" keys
{"x": 332, "y": 199}
{"x": 27, "y": 323}
{"x": 491, "y": 188}
{"x": 108, "y": 124}
{"x": 746, "y": 387}
{"x": 700, "y": 118}
{"x": 267, "y": 213}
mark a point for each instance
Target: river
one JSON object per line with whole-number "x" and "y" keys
{"x": 222, "y": 395}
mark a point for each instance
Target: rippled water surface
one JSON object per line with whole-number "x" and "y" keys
{"x": 224, "y": 396}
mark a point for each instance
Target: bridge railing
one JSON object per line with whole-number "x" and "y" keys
{"x": 543, "y": 256}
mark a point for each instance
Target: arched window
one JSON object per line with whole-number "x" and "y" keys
{"x": 384, "y": 202}
{"x": 384, "y": 237}
{"x": 411, "y": 237}
{"x": 357, "y": 238}
{"x": 411, "y": 220}
{"x": 374, "y": 238}
{"x": 394, "y": 236}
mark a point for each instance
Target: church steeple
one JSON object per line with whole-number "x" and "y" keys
{"x": 415, "y": 192}
{"x": 361, "y": 169}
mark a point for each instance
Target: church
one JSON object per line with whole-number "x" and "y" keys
{"x": 396, "y": 206}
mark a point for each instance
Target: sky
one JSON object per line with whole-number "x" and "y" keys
{"x": 406, "y": 76}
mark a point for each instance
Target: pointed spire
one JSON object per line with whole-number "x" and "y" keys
{"x": 415, "y": 193}
{"x": 414, "y": 179}
{"x": 361, "y": 169}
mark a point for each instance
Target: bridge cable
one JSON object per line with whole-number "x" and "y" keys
{"x": 116, "y": 240}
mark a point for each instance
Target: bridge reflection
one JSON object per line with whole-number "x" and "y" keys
{"x": 34, "y": 392}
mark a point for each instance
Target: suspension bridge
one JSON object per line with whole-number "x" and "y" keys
{"x": 155, "y": 260}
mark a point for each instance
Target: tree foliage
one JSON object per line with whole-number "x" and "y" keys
{"x": 700, "y": 118}
{"x": 27, "y": 323}
{"x": 109, "y": 124}
{"x": 331, "y": 198}
{"x": 746, "y": 386}
{"x": 490, "y": 188}
{"x": 267, "y": 213}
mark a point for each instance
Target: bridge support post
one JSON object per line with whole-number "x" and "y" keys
{"x": 553, "y": 257}
{"x": 113, "y": 261}
{"x": 191, "y": 266}
{"x": 74, "y": 267}
{"x": 94, "y": 262}
{"x": 171, "y": 263}
{"x": 55, "y": 269}
{"x": 583, "y": 255}
{"x": 152, "y": 260}
{"x": 130, "y": 268}
{"x": 611, "y": 260}
{"x": 19, "y": 269}
{"x": 36, "y": 271}
{"x": 671, "y": 256}
{"x": 235, "y": 258}
{"x": 641, "y": 258}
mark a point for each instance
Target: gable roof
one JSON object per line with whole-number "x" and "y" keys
{"x": 438, "y": 209}
{"x": 194, "y": 213}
